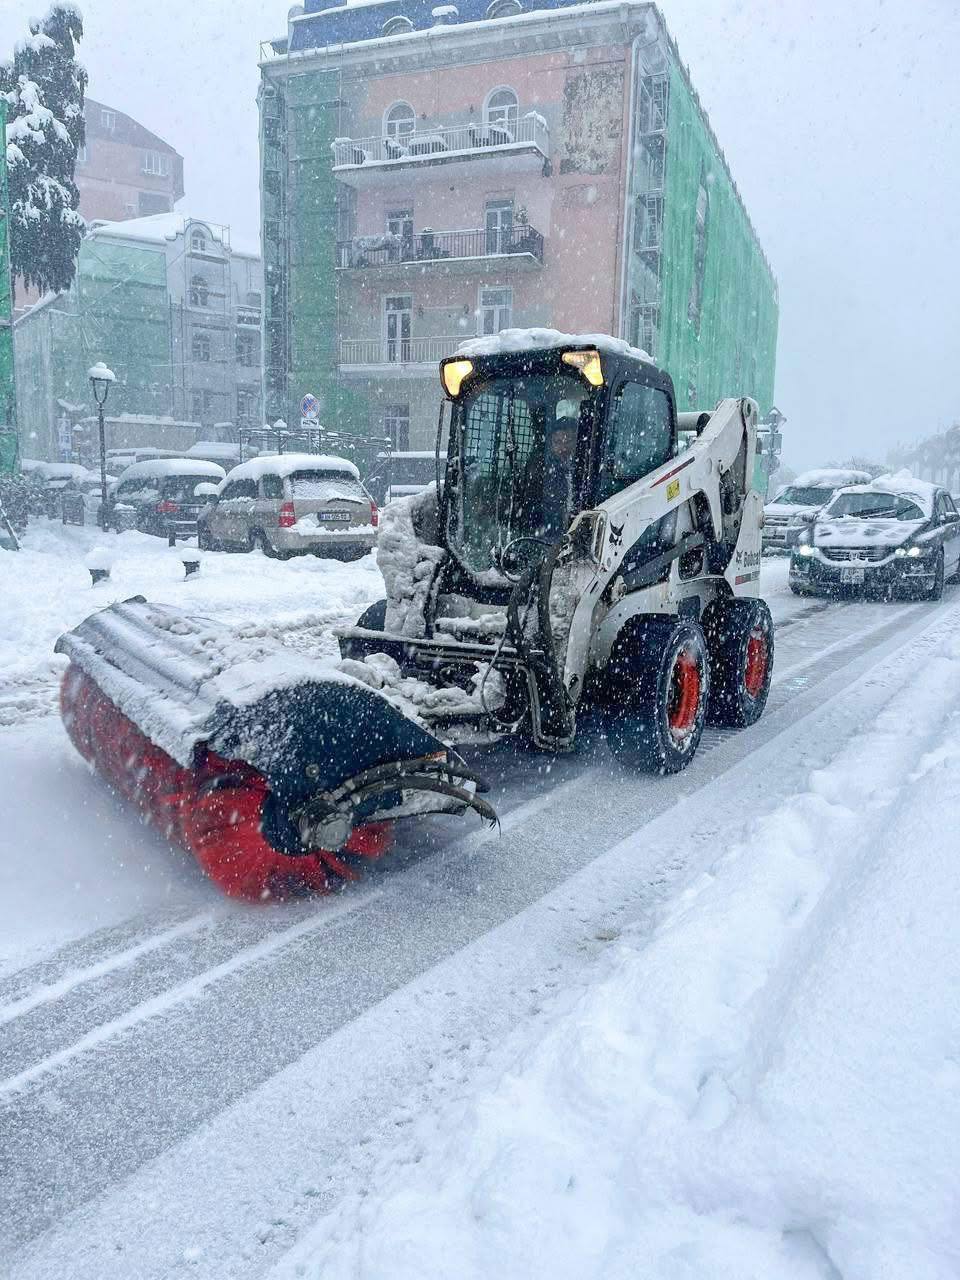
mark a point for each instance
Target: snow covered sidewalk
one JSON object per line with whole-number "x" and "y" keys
{"x": 47, "y": 590}
{"x": 767, "y": 1086}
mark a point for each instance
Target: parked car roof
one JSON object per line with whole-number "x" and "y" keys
{"x": 285, "y": 464}
{"x": 174, "y": 467}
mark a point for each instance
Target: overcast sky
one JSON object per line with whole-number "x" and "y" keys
{"x": 839, "y": 121}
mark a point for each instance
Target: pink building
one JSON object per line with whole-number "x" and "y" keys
{"x": 493, "y": 165}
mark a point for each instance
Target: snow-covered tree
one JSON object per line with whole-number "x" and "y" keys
{"x": 44, "y": 88}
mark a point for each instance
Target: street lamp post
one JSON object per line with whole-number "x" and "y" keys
{"x": 100, "y": 379}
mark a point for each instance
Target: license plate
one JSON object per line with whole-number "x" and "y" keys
{"x": 853, "y": 577}
{"x": 330, "y": 515}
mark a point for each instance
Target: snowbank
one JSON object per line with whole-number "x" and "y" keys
{"x": 768, "y": 1088}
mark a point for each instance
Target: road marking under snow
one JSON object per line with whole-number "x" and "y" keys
{"x": 47, "y": 992}
{"x": 183, "y": 992}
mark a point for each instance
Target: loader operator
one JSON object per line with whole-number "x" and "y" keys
{"x": 546, "y": 496}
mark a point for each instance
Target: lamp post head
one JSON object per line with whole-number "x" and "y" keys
{"x": 100, "y": 378}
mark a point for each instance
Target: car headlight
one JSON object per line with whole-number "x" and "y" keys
{"x": 913, "y": 552}
{"x": 805, "y": 549}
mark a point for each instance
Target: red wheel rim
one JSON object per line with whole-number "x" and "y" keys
{"x": 755, "y": 672}
{"x": 683, "y": 703}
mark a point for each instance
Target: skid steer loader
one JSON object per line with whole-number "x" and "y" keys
{"x": 583, "y": 546}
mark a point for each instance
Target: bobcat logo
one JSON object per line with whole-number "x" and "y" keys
{"x": 616, "y": 536}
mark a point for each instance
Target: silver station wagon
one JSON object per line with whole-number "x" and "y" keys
{"x": 291, "y": 504}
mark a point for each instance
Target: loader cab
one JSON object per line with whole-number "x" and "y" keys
{"x": 537, "y": 437}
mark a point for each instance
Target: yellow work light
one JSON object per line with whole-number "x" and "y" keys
{"x": 588, "y": 362}
{"x": 453, "y": 373}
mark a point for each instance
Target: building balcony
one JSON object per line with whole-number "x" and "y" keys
{"x": 459, "y": 251}
{"x": 402, "y": 357}
{"x": 523, "y": 144}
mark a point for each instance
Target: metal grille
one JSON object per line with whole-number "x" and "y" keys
{"x": 856, "y": 553}
{"x": 496, "y": 427}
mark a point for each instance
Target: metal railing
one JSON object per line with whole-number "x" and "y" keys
{"x": 429, "y": 143}
{"x": 435, "y": 246}
{"x": 400, "y": 351}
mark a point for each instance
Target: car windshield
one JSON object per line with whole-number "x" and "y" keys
{"x": 874, "y": 506}
{"x": 326, "y": 486}
{"x": 517, "y": 440}
{"x": 804, "y": 497}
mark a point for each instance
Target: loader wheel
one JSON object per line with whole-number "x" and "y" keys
{"x": 740, "y": 639}
{"x": 658, "y": 682}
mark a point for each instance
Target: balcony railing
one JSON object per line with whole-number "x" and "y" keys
{"x": 435, "y": 246}
{"x": 398, "y": 351}
{"x": 528, "y": 131}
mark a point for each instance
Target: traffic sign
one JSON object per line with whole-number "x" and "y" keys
{"x": 310, "y": 407}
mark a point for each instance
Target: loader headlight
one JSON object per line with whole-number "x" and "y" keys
{"x": 452, "y": 375}
{"x": 588, "y": 362}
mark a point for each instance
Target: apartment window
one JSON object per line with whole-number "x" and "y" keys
{"x": 247, "y": 403}
{"x": 82, "y": 153}
{"x": 248, "y": 349}
{"x": 502, "y": 109}
{"x": 200, "y": 347}
{"x": 400, "y": 120}
{"x": 498, "y": 220}
{"x": 496, "y": 310}
{"x": 156, "y": 164}
{"x": 254, "y": 299}
{"x": 400, "y": 223}
{"x": 202, "y": 402}
{"x": 695, "y": 304}
{"x": 151, "y": 202}
{"x": 397, "y": 312}
{"x": 198, "y": 242}
{"x": 199, "y": 292}
{"x": 396, "y": 425}
{"x": 108, "y": 120}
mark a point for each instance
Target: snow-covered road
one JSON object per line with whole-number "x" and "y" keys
{"x": 186, "y": 1085}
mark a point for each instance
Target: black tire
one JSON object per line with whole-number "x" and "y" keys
{"x": 801, "y": 591}
{"x": 204, "y": 541}
{"x": 657, "y": 687}
{"x": 740, "y": 638}
{"x": 260, "y": 542}
{"x": 935, "y": 590}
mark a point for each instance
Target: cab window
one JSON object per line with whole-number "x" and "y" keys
{"x": 639, "y": 437}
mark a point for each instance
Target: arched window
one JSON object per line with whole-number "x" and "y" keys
{"x": 501, "y": 109}
{"x": 199, "y": 292}
{"x": 504, "y": 9}
{"x": 400, "y": 120}
{"x": 198, "y": 242}
{"x": 398, "y": 25}
{"x": 201, "y": 347}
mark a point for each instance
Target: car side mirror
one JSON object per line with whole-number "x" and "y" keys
{"x": 809, "y": 517}
{"x": 206, "y": 490}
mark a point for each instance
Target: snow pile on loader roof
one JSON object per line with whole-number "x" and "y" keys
{"x": 285, "y": 464}
{"x": 174, "y": 467}
{"x": 513, "y": 340}
{"x": 829, "y": 478}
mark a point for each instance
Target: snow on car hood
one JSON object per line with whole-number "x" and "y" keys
{"x": 856, "y": 531}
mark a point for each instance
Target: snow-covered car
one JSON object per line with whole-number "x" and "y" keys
{"x": 792, "y": 507}
{"x": 159, "y": 496}
{"x": 292, "y": 504}
{"x": 894, "y": 536}
{"x": 80, "y": 499}
{"x": 52, "y": 479}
